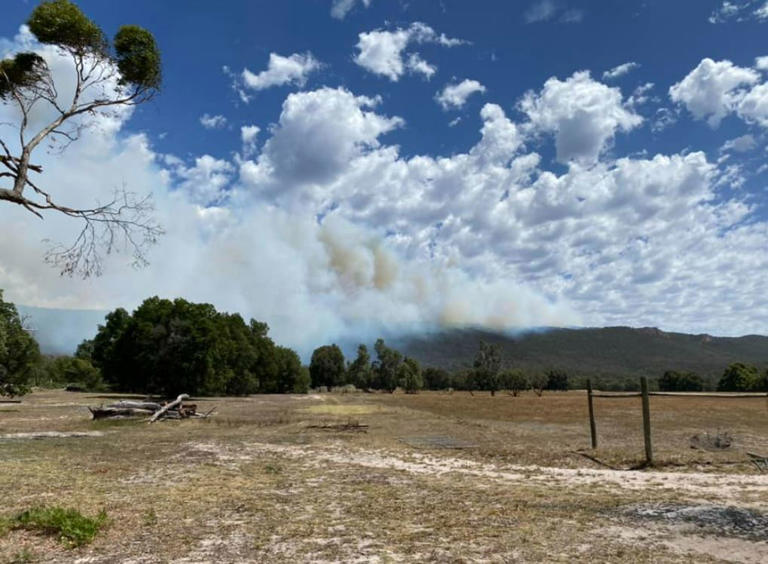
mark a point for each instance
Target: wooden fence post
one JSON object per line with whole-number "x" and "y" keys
{"x": 646, "y": 421}
{"x": 592, "y": 427}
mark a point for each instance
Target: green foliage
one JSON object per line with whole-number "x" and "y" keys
{"x": 557, "y": 380}
{"x": 538, "y": 382}
{"x": 19, "y": 352}
{"x": 673, "y": 381}
{"x": 22, "y": 71}
{"x": 327, "y": 367}
{"x": 68, "y": 370}
{"x": 359, "y": 373}
{"x": 138, "y": 58}
{"x": 386, "y": 366}
{"x": 70, "y": 526}
{"x": 60, "y": 22}
{"x": 740, "y": 377}
{"x": 409, "y": 376}
{"x": 487, "y": 367}
{"x": 172, "y": 347}
{"x": 515, "y": 381}
{"x": 436, "y": 378}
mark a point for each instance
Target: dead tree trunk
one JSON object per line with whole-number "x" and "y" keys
{"x": 171, "y": 405}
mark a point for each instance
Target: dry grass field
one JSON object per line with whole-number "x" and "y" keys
{"x": 436, "y": 477}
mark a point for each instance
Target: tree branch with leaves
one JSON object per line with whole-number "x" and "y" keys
{"x": 106, "y": 80}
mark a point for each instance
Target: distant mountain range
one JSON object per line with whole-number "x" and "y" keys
{"x": 610, "y": 352}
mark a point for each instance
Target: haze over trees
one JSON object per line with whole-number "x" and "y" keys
{"x": 106, "y": 78}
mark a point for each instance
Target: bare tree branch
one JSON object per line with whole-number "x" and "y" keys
{"x": 126, "y": 223}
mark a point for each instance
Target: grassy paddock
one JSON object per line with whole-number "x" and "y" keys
{"x": 254, "y": 484}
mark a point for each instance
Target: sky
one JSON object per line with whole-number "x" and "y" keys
{"x": 345, "y": 168}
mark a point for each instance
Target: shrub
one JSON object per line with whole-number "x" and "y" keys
{"x": 69, "y": 525}
{"x": 557, "y": 380}
{"x": 514, "y": 381}
{"x": 673, "y": 381}
{"x": 740, "y": 377}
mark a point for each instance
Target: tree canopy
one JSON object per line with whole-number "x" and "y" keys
{"x": 169, "y": 347}
{"x": 19, "y": 353}
{"x": 104, "y": 79}
{"x": 327, "y": 367}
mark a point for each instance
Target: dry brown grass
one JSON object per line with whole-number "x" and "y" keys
{"x": 253, "y": 484}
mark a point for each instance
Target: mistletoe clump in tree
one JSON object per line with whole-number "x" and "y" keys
{"x": 106, "y": 79}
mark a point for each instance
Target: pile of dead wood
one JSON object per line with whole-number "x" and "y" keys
{"x": 124, "y": 409}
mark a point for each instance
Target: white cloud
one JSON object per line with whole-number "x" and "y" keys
{"x": 203, "y": 183}
{"x": 329, "y": 229}
{"x": 620, "y": 70}
{"x": 572, "y": 16}
{"x": 762, "y": 12}
{"x": 663, "y": 119}
{"x": 454, "y": 96}
{"x": 753, "y": 107}
{"x": 294, "y": 70}
{"x": 418, "y": 65}
{"x": 713, "y": 89}
{"x": 340, "y": 8}
{"x": 761, "y": 63}
{"x": 248, "y": 136}
{"x": 381, "y": 52}
{"x": 213, "y": 122}
{"x": 741, "y": 144}
{"x": 318, "y": 134}
{"x": 540, "y": 11}
{"x": 740, "y": 11}
{"x": 545, "y": 10}
{"x": 583, "y": 114}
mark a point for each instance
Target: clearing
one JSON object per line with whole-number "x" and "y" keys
{"x": 433, "y": 477}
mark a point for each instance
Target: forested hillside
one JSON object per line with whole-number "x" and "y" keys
{"x": 610, "y": 352}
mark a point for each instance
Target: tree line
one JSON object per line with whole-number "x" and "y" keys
{"x": 390, "y": 370}
{"x": 167, "y": 347}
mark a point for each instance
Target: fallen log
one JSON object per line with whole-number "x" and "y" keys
{"x": 118, "y": 412}
{"x": 148, "y": 405}
{"x": 164, "y": 410}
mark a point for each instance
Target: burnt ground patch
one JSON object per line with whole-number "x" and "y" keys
{"x": 710, "y": 519}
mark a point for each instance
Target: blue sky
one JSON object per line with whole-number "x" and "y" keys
{"x": 543, "y": 197}
{"x": 507, "y": 55}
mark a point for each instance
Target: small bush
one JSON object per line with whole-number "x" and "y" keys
{"x": 69, "y": 525}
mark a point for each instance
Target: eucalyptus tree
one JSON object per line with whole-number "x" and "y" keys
{"x": 105, "y": 79}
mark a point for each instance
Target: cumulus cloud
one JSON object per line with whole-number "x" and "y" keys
{"x": 318, "y": 134}
{"x": 583, "y": 114}
{"x": 382, "y": 52}
{"x": 294, "y": 70}
{"x": 620, "y": 70}
{"x": 213, "y": 122}
{"x": 761, "y": 63}
{"x": 248, "y": 136}
{"x": 454, "y": 96}
{"x": 340, "y": 8}
{"x": 330, "y": 230}
{"x": 715, "y": 89}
